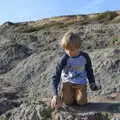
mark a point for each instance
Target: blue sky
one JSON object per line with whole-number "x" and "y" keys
{"x": 30, "y": 10}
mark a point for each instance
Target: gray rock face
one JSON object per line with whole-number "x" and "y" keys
{"x": 29, "y": 51}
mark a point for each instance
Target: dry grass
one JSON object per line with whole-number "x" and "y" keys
{"x": 64, "y": 21}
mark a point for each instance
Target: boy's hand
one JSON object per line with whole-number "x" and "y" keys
{"x": 53, "y": 102}
{"x": 94, "y": 87}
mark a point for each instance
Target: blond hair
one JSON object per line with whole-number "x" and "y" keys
{"x": 70, "y": 40}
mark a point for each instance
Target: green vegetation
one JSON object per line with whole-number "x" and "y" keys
{"x": 3, "y": 118}
{"x": 106, "y": 15}
{"x": 115, "y": 40}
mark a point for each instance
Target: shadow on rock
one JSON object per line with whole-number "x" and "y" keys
{"x": 6, "y": 105}
{"x": 96, "y": 107}
{"x": 9, "y": 99}
{"x": 91, "y": 111}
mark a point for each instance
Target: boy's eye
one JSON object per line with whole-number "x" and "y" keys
{"x": 70, "y": 49}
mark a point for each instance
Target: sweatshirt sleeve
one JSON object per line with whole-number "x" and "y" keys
{"x": 56, "y": 76}
{"x": 89, "y": 69}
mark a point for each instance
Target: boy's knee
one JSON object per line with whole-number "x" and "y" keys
{"x": 82, "y": 102}
{"x": 68, "y": 102}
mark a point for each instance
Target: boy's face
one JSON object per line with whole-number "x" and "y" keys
{"x": 72, "y": 52}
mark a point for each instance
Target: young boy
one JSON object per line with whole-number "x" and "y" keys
{"x": 72, "y": 71}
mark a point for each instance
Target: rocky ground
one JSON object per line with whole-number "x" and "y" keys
{"x": 28, "y": 52}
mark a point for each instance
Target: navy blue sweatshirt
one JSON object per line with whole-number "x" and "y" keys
{"x": 56, "y": 76}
